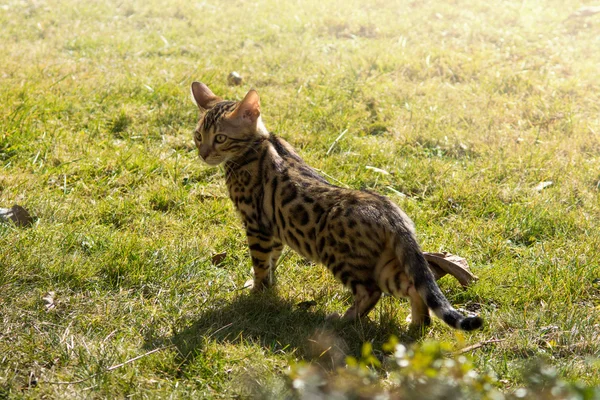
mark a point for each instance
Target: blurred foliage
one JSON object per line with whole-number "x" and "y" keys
{"x": 429, "y": 370}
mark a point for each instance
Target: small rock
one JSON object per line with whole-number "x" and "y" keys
{"x": 17, "y": 214}
{"x": 234, "y": 79}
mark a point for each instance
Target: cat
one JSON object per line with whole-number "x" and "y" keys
{"x": 364, "y": 239}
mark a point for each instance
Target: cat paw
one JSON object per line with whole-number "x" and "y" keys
{"x": 424, "y": 322}
{"x": 256, "y": 287}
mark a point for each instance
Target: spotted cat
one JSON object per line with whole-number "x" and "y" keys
{"x": 364, "y": 239}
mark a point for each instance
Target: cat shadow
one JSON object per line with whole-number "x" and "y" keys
{"x": 279, "y": 326}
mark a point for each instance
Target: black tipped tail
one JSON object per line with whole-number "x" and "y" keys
{"x": 434, "y": 298}
{"x": 471, "y": 323}
{"x": 455, "y": 319}
{"x": 429, "y": 291}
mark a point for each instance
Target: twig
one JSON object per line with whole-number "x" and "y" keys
{"x": 70, "y": 382}
{"x": 331, "y": 177}
{"x": 219, "y": 330}
{"x": 478, "y": 345}
{"x": 136, "y": 358}
{"x": 336, "y": 141}
{"x": 112, "y": 368}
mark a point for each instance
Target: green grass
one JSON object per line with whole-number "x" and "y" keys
{"x": 469, "y": 105}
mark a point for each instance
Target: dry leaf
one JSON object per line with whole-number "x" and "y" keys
{"x": 234, "y": 79}
{"x": 17, "y": 214}
{"x": 585, "y": 12}
{"x": 217, "y": 259}
{"x": 543, "y": 185}
{"x": 305, "y": 305}
{"x": 49, "y": 300}
{"x": 446, "y": 263}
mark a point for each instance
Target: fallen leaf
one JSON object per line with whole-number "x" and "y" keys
{"x": 305, "y": 305}
{"x": 17, "y": 214}
{"x": 585, "y": 12}
{"x": 543, "y": 185}
{"x": 217, "y": 259}
{"x": 49, "y": 300}
{"x": 446, "y": 263}
{"x": 549, "y": 328}
{"x": 234, "y": 79}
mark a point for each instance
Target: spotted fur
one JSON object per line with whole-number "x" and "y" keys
{"x": 364, "y": 239}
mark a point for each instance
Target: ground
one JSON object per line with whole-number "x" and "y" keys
{"x": 457, "y": 110}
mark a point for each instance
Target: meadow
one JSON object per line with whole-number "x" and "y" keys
{"x": 480, "y": 119}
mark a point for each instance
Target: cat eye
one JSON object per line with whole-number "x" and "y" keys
{"x": 220, "y": 138}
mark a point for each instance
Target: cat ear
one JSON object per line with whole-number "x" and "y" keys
{"x": 249, "y": 109}
{"x": 204, "y": 98}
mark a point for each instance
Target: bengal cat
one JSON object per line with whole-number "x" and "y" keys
{"x": 365, "y": 240}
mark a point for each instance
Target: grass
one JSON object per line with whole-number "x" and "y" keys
{"x": 468, "y": 105}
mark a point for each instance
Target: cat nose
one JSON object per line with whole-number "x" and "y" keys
{"x": 203, "y": 152}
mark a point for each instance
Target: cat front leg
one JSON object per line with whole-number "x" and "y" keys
{"x": 264, "y": 253}
{"x": 275, "y": 253}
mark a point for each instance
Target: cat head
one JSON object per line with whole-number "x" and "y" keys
{"x": 226, "y": 129}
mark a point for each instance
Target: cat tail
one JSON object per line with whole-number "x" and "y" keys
{"x": 430, "y": 292}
